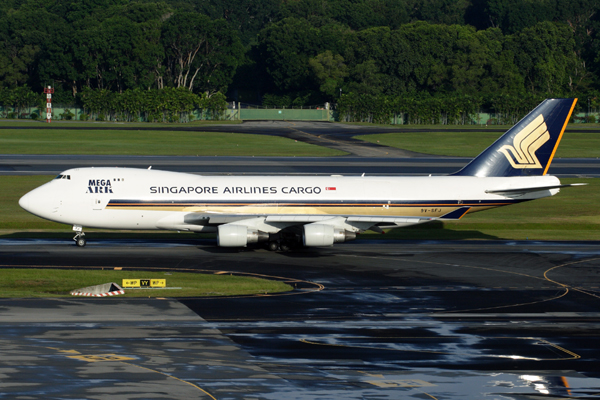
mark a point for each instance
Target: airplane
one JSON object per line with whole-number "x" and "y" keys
{"x": 289, "y": 211}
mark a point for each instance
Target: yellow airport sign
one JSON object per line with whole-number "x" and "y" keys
{"x": 158, "y": 282}
{"x": 144, "y": 283}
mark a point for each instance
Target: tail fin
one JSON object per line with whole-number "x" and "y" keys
{"x": 528, "y": 147}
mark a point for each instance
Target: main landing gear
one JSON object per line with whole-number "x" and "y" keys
{"x": 274, "y": 246}
{"x": 285, "y": 247}
{"x": 285, "y": 240}
{"x": 79, "y": 236}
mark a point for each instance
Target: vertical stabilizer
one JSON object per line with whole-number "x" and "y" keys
{"x": 527, "y": 148}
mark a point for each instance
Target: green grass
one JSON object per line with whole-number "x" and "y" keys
{"x": 438, "y": 126}
{"x": 27, "y": 283}
{"x": 87, "y": 124}
{"x": 166, "y": 143}
{"x": 473, "y": 127}
{"x": 471, "y": 143}
{"x": 570, "y": 215}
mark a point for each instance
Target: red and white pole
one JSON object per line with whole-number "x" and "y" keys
{"x": 48, "y": 92}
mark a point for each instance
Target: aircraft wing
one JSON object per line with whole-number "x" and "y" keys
{"x": 197, "y": 221}
{"x": 295, "y": 219}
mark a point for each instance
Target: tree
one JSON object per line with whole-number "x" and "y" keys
{"x": 115, "y": 47}
{"x": 284, "y": 50}
{"x": 247, "y": 17}
{"x": 22, "y": 35}
{"x": 356, "y": 14}
{"x": 515, "y": 15}
{"x": 330, "y": 71}
{"x": 200, "y": 53}
{"x": 22, "y": 97}
{"x": 440, "y": 11}
{"x": 367, "y": 79}
{"x": 545, "y": 56}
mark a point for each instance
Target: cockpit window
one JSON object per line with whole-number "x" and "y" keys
{"x": 63, "y": 177}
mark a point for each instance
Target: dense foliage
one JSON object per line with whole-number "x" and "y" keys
{"x": 375, "y": 58}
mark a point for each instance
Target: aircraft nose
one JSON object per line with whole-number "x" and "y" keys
{"x": 36, "y": 202}
{"x": 25, "y": 201}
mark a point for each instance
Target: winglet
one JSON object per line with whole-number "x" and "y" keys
{"x": 526, "y": 149}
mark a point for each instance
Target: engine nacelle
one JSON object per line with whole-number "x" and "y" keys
{"x": 239, "y": 235}
{"x": 315, "y": 235}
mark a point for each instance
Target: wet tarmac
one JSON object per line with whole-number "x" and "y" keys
{"x": 367, "y": 320}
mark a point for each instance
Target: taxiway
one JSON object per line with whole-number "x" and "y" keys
{"x": 386, "y": 320}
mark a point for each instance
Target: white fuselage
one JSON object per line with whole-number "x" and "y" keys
{"x": 125, "y": 198}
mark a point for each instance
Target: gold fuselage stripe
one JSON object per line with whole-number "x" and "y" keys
{"x": 376, "y": 209}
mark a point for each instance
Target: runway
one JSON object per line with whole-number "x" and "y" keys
{"x": 367, "y": 320}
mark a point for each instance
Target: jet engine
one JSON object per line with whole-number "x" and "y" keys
{"x": 324, "y": 235}
{"x": 239, "y": 235}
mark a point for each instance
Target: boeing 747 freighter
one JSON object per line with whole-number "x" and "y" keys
{"x": 288, "y": 211}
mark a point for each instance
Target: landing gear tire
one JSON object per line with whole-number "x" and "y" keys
{"x": 80, "y": 239}
{"x": 273, "y": 246}
{"x": 285, "y": 247}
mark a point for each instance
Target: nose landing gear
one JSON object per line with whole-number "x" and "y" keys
{"x": 79, "y": 236}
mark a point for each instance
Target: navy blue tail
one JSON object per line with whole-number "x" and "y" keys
{"x": 527, "y": 148}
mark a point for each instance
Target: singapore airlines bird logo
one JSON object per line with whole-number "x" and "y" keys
{"x": 525, "y": 143}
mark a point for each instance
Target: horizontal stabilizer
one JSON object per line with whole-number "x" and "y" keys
{"x": 456, "y": 214}
{"x": 531, "y": 189}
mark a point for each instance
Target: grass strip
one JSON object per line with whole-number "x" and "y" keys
{"x": 28, "y": 283}
{"x": 9, "y": 123}
{"x": 147, "y": 143}
{"x": 470, "y": 143}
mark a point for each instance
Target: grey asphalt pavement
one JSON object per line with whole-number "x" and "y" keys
{"x": 385, "y": 320}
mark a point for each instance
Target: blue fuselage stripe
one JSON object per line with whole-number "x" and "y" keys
{"x": 330, "y": 203}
